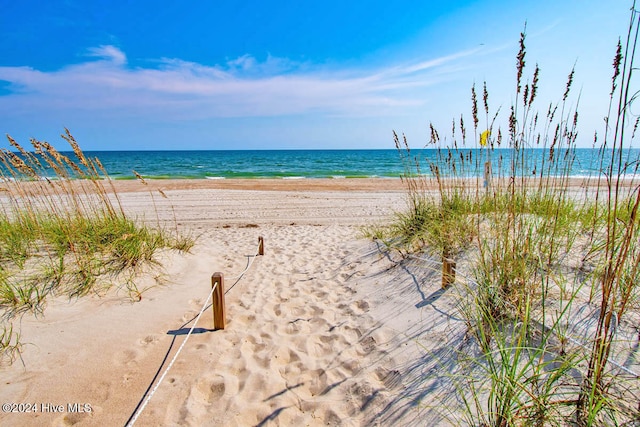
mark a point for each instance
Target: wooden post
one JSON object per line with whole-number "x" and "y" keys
{"x": 448, "y": 270}
{"x": 218, "y": 301}
{"x": 260, "y": 245}
{"x": 487, "y": 175}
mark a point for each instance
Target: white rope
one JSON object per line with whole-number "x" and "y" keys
{"x": 239, "y": 276}
{"x": 175, "y": 356}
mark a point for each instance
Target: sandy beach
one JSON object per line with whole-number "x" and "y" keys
{"x": 323, "y": 329}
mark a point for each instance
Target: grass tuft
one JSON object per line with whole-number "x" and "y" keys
{"x": 545, "y": 249}
{"x": 63, "y": 231}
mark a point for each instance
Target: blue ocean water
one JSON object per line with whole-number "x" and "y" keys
{"x": 252, "y": 164}
{"x": 289, "y": 164}
{"x": 334, "y": 163}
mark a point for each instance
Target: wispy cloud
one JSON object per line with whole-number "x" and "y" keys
{"x": 109, "y": 53}
{"x": 241, "y": 87}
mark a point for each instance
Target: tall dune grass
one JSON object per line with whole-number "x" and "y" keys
{"x": 63, "y": 231}
{"x": 552, "y": 300}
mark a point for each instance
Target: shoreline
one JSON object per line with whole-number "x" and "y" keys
{"x": 377, "y": 185}
{"x": 263, "y": 184}
{"x": 428, "y": 184}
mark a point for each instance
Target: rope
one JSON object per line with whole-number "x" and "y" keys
{"x": 239, "y": 276}
{"x": 205, "y": 306}
{"x": 175, "y": 356}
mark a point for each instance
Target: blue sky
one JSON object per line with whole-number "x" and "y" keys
{"x": 287, "y": 74}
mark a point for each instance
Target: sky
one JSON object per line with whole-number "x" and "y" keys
{"x": 285, "y": 74}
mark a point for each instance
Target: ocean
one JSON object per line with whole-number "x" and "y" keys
{"x": 287, "y": 164}
{"x": 334, "y": 164}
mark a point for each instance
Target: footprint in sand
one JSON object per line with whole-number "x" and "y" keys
{"x": 332, "y": 419}
{"x": 319, "y": 323}
{"x": 328, "y": 339}
{"x": 128, "y": 357}
{"x": 189, "y": 315}
{"x": 390, "y": 378}
{"x": 350, "y": 367}
{"x": 149, "y": 339}
{"x": 360, "y": 307}
{"x": 316, "y": 311}
{"x": 320, "y": 293}
{"x": 253, "y": 386}
{"x": 209, "y": 389}
{"x": 351, "y": 334}
{"x": 293, "y": 370}
{"x": 197, "y": 302}
{"x": 99, "y": 392}
{"x": 255, "y": 345}
{"x": 318, "y": 381}
{"x": 73, "y": 418}
{"x": 362, "y": 394}
{"x": 244, "y": 303}
{"x": 294, "y": 293}
{"x": 317, "y": 349}
{"x": 297, "y": 327}
{"x": 277, "y": 310}
{"x": 346, "y": 309}
{"x": 368, "y": 345}
{"x": 243, "y": 319}
{"x": 283, "y": 356}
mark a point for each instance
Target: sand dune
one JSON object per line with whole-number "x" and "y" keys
{"x": 322, "y": 330}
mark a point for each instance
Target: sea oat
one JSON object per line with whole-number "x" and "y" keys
{"x": 569, "y": 83}
{"x": 137, "y": 175}
{"x": 474, "y": 107}
{"x": 463, "y": 130}
{"x": 20, "y": 165}
{"x": 520, "y": 60}
{"x": 76, "y": 148}
{"x": 534, "y": 85}
{"x": 512, "y": 123}
{"x": 485, "y": 98}
{"x": 434, "y": 134}
{"x": 617, "y": 60}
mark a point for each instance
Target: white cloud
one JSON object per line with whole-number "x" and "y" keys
{"x": 242, "y": 87}
{"x": 245, "y": 62}
{"x": 109, "y": 53}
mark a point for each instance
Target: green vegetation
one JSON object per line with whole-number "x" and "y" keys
{"x": 546, "y": 248}
{"x": 64, "y": 232}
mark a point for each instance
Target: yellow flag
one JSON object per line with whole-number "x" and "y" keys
{"x": 484, "y": 137}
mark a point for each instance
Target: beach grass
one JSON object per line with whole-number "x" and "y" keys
{"x": 63, "y": 231}
{"x": 551, "y": 296}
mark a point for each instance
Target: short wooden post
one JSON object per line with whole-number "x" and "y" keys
{"x": 260, "y": 245}
{"x": 448, "y": 270}
{"x": 218, "y": 301}
{"x": 487, "y": 175}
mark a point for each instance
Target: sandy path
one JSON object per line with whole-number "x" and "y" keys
{"x": 321, "y": 330}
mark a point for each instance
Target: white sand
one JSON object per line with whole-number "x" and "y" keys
{"x": 322, "y": 330}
